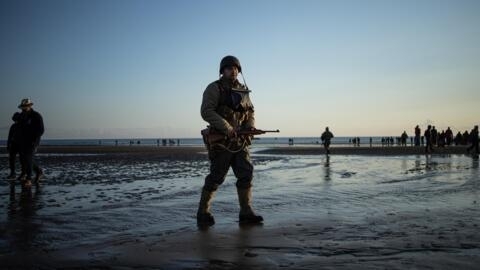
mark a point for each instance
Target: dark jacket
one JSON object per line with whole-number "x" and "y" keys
{"x": 31, "y": 128}
{"x": 13, "y": 136}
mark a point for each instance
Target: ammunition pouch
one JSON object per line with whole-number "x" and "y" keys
{"x": 212, "y": 137}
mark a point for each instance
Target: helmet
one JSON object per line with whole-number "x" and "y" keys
{"x": 230, "y": 60}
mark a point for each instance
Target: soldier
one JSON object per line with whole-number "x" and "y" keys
{"x": 226, "y": 106}
{"x": 13, "y": 144}
{"x": 326, "y": 138}
{"x": 31, "y": 130}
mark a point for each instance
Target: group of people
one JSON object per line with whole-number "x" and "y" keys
{"x": 23, "y": 139}
{"x": 433, "y": 138}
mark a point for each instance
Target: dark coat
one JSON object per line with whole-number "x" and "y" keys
{"x": 31, "y": 128}
{"x": 13, "y": 136}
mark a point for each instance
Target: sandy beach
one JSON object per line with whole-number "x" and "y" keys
{"x": 134, "y": 207}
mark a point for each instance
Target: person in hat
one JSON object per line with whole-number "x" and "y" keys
{"x": 13, "y": 144}
{"x": 227, "y": 107}
{"x": 31, "y": 130}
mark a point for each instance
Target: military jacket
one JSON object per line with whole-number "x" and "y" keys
{"x": 226, "y": 106}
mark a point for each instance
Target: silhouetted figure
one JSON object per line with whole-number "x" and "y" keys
{"x": 466, "y": 138}
{"x": 326, "y": 140}
{"x": 441, "y": 139}
{"x": 158, "y": 142}
{"x": 404, "y": 138}
{"x": 449, "y": 136}
{"x": 418, "y": 133}
{"x": 31, "y": 130}
{"x": 474, "y": 140}
{"x": 371, "y": 141}
{"x": 434, "y": 136}
{"x": 13, "y": 144}
{"x": 428, "y": 139}
{"x": 458, "y": 138}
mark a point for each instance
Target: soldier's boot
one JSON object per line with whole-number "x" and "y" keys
{"x": 247, "y": 216}
{"x": 204, "y": 217}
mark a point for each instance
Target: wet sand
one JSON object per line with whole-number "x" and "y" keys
{"x": 188, "y": 152}
{"x": 363, "y": 150}
{"x": 134, "y": 208}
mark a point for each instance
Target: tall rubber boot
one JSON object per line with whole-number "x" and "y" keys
{"x": 247, "y": 216}
{"x": 204, "y": 217}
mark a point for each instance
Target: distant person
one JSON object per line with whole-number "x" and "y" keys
{"x": 434, "y": 135}
{"x": 31, "y": 130}
{"x": 465, "y": 138}
{"x": 404, "y": 138}
{"x": 418, "y": 133}
{"x": 326, "y": 139}
{"x": 449, "y": 136}
{"x": 13, "y": 144}
{"x": 428, "y": 140}
{"x": 474, "y": 140}
{"x": 441, "y": 139}
{"x": 226, "y": 106}
{"x": 458, "y": 138}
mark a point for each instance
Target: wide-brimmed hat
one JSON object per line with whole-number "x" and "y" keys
{"x": 26, "y": 102}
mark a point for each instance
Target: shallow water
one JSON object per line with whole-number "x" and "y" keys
{"x": 93, "y": 200}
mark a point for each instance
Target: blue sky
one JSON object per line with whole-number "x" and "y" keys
{"x": 121, "y": 69}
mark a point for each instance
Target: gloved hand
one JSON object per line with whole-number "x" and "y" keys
{"x": 232, "y": 134}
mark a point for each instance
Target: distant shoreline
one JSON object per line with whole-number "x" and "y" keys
{"x": 177, "y": 151}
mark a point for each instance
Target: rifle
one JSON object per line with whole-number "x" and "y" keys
{"x": 255, "y": 132}
{"x": 212, "y": 136}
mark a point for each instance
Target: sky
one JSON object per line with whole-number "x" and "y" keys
{"x": 138, "y": 69}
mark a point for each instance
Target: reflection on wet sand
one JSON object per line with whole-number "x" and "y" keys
{"x": 326, "y": 167}
{"x": 21, "y": 227}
